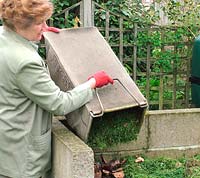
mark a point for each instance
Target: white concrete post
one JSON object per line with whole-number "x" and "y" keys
{"x": 87, "y": 13}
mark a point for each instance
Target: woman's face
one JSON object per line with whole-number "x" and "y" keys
{"x": 33, "y": 32}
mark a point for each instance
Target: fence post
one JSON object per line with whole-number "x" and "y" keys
{"x": 87, "y": 13}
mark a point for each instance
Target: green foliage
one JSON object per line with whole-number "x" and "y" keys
{"x": 61, "y": 21}
{"x": 42, "y": 52}
{"x": 181, "y": 13}
{"x": 133, "y": 9}
{"x": 60, "y": 5}
{"x": 113, "y": 128}
{"x": 163, "y": 167}
{"x": 168, "y": 54}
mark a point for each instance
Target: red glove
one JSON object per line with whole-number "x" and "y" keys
{"x": 101, "y": 79}
{"x": 51, "y": 29}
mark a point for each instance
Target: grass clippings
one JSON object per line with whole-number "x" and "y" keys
{"x": 114, "y": 128}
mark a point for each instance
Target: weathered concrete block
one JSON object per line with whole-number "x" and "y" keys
{"x": 173, "y": 132}
{"x": 72, "y": 158}
{"x": 174, "y": 128}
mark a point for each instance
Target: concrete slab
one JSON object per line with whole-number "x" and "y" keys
{"x": 71, "y": 157}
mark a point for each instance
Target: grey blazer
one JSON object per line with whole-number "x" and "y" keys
{"x": 28, "y": 98}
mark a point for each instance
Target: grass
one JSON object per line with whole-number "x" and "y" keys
{"x": 163, "y": 167}
{"x": 113, "y": 128}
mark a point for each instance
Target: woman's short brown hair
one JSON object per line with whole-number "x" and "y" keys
{"x": 23, "y": 13}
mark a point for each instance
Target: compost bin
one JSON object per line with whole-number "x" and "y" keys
{"x": 195, "y": 73}
{"x": 72, "y": 56}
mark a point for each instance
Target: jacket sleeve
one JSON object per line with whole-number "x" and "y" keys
{"x": 35, "y": 82}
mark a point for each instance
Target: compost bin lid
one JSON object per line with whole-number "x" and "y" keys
{"x": 84, "y": 51}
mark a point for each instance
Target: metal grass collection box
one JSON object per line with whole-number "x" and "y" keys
{"x": 72, "y": 56}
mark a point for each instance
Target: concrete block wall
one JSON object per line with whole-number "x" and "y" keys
{"x": 174, "y": 132}
{"x": 164, "y": 133}
{"x": 71, "y": 157}
{"x": 171, "y": 133}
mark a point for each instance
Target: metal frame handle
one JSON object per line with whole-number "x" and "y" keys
{"x": 101, "y": 105}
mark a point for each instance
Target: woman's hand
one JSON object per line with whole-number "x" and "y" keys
{"x": 51, "y": 29}
{"x": 101, "y": 79}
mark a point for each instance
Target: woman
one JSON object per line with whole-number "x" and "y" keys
{"x": 28, "y": 96}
